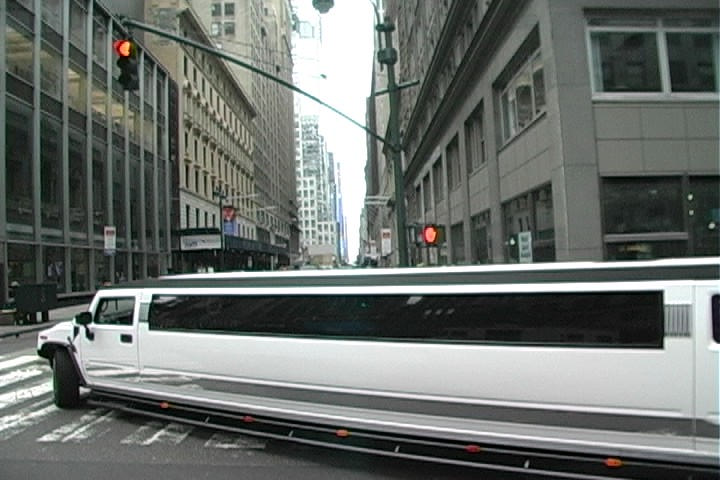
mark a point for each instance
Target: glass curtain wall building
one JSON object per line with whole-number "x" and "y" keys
{"x": 85, "y": 169}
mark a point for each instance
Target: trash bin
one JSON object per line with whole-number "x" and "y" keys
{"x": 33, "y": 298}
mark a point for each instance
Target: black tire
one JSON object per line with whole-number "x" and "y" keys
{"x": 66, "y": 383}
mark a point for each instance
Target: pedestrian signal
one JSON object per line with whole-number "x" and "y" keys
{"x": 431, "y": 234}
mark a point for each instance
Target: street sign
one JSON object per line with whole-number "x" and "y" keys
{"x": 110, "y": 236}
{"x": 525, "y": 247}
{"x": 386, "y": 241}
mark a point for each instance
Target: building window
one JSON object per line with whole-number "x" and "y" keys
{"x": 427, "y": 194}
{"x": 99, "y": 41}
{"x": 529, "y": 227}
{"x": 18, "y": 170}
{"x": 703, "y": 197}
{"x": 78, "y": 174}
{"x": 229, "y": 8}
{"x": 19, "y": 51}
{"x": 480, "y": 238}
{"x": 437, "y": 179}
{"x": 50, "y": 70}
{"x": 661, "y": 217}
{"x": 457, "y": 239}
{"x": 642, "y": 205}
{"x": 693, "y": 61}
{"x": 654, "y": 55}
{"x": 523, "y": 98}
{"x": 77, "y": 86}
{"x": 215, "y": 29}
{"x": 78, "y": 16}
{"x": 475, "y": 141}
{"x": 52, "y": 13}
{"x": 453, "y": 161}
{"x": 216, "y": 9}
{"x": 51, "y": 175}
{"x": 229, "y": 29}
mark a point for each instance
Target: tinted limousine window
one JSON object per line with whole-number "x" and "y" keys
{"x": 628, "y": 319}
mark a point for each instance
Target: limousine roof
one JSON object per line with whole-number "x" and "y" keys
{"x": 707, "y": 268}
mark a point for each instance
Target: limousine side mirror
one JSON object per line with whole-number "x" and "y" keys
{"x": 85, "y": 319}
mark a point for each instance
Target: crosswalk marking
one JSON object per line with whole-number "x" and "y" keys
{"x": 227, "y": 441}
{"x": 27, "y": 384}
{"x": 17, "y": 376}
{"x": 12, "y": 398}
{"x": 90, "y": 424}
{"x": 21, "y": 360}
{"x": 156, "y": 432}
{"x": 11, "y": 425}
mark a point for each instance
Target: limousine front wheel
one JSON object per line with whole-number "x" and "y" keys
{"x": 66, "y": 384}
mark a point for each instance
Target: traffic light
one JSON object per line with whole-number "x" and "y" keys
{"x": 128, "y": 64}
{"x": 433, "y": 234}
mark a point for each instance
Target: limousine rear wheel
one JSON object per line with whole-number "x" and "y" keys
{"x": 66, "y": 384}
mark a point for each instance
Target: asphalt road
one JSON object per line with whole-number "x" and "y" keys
{"x": 37, "y": 440}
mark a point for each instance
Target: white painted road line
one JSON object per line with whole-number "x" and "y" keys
{"x": 18, "y": 396}
{"x": 21, "y": 360}
{"x": 89, "y": 425}
{"x": 11, "y": 425}
{"x": 157, "y": 432}
{"x": 229, "y": 441}
{"x": 17, "y": 376}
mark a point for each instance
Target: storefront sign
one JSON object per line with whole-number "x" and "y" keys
{"x": 209, "y": 241}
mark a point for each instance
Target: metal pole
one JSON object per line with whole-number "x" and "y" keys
{"x": 130, "y": 23}
{"x": 221, "y": 197}
{"x": 388, "y": 56}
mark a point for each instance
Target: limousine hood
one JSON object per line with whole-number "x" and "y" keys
{"x": 57, "y": 334}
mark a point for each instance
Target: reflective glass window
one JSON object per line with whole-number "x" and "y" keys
{"x": 693, "y": 60}
{"x": 19, "y": 51}
{"x": 78, "y": 29}
{"x": 626, "y": 61}
{"x": 77, "y": 88}
{"x": 51, "y": 70}
{"x": 51, "y": 175}
{"x": 18, "y": 167}
{"x": 642, "y": 205}
{"x": 78, "y": 186}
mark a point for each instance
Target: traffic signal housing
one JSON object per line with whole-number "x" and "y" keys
{"x": 433, "y": 234}
{"x": 128, "y": 63}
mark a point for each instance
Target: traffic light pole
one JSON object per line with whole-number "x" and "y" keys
{"x": 388, "y": 56}
{"x": 129, "y": 23}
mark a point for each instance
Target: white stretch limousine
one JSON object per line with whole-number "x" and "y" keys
{"x": 609, "y": 359}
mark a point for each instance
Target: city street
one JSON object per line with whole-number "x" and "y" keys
{"x": 38, "y": 440}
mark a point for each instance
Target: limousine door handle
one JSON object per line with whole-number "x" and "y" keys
{"x": 126, "y": 338}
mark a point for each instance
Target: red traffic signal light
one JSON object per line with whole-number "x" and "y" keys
{"x": 128, "y": 64}
{"x": 431, "y": 234}
{"x": 124, "y": 48}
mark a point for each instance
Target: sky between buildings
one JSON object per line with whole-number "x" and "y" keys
{"x": 346, "y": 64}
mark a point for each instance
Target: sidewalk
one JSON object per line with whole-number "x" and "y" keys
{"x": 57, "y": 315}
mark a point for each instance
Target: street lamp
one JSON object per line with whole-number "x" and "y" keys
{"x": 388, "y": 56}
